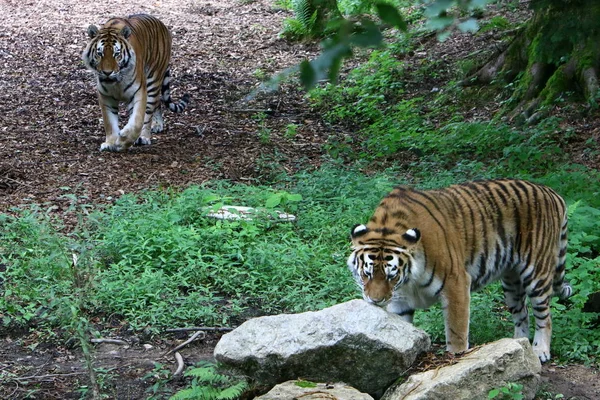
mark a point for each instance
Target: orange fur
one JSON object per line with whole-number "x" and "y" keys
{"x": 130, "y": 57}
{"x": 420, "y": 247}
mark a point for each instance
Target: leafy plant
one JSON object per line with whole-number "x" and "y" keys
{"x": 209, "y": 384}
{"x": 512, "y": 391}
{"x": 291, "y": 130}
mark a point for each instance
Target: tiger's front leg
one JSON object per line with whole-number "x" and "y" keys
{"x": 456, "y": 299}
{"x": 132, "y": 130}
{"x": 110, "y": 118}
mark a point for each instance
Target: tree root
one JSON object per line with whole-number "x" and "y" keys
{"x": 590, "y": 83}
{"x": 180, "y": 365}
{"x": 542, "y": 83}
{"x": 190, "y": 340}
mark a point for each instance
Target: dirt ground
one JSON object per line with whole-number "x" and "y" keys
{"x": 51, "y": 131}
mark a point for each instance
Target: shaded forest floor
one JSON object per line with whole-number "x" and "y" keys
{"x": 51, "y": 131}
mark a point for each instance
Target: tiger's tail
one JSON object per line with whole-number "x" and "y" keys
{"x": 560, "y": 287}
{"x": 175, "y": 106}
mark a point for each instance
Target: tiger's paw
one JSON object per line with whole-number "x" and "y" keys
{"x": 157, "y": 126}
{"x": 143, "y": 141}
{"x": 543, "y": 354}
{"x": 111, "y": 147}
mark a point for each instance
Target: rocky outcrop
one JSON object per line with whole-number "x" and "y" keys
{"x": 312, "y": 391}
{"x": 475, "y": 374}
{"x": 354, "y": 342}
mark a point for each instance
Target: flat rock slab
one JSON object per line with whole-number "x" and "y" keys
{"x": 353, "y": 342}
{"x": 313, "y": 391}
{"x": 488, "y": 367}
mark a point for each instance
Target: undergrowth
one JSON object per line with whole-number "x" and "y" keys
{"x": 433, "y": 145}
{"x": 158, "y": 259}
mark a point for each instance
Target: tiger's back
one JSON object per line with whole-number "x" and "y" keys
{"x": 150, "y": 39}
{"x": 441, "y": 244}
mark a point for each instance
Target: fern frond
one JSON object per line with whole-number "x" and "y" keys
{"x": 196, "y": 393}
{"x": 207, "y": 375}
{"x": 233, "y": 392}
{"x": 306, "y": 13}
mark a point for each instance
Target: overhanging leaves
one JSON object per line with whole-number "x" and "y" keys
{"x": 390, "y": 15}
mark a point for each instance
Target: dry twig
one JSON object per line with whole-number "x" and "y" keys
{"x": 200, "y": 328}
{"x": 190, "y": 340}
{"x": 180, "y": 364}
{"x": 108, "y": 340}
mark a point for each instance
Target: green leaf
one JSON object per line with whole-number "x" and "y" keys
{"x": 294, "y": 197}
{"x": 390, "y": 15}
{"x": 305, "y": 384}
{"x": 367, "y": 35}
{"x": 469, "y": 25}
{"x": 437, "y": 8}
{"x": 321, "y": 66}
{"x": 308, "y": 75}
{"x": 273, "y": 201}
{"x": 438, "y": 23}
{"x": 493, "y": 393}
{"x": 479, "y": 3}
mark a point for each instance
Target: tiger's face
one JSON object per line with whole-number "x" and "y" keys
{"x": 381, "y": 261}
{"x": 108, "y": 53}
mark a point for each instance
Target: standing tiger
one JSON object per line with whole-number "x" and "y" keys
{"x": 130, "y": 57}
{"x": 420, "y": 247}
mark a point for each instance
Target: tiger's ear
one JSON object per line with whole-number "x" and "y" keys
{"x": 412, "y": 235}
{"x": 126, "y": 32}
{"x": 358, "y": 230}
{"x": 92, "y": 31}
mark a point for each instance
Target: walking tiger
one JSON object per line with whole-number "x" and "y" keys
{"x": 130, "y": 58}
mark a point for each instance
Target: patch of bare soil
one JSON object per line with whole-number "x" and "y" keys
{"x": 51, "y": 131}
{"x": 133, "y": 370}
{"x": 51, "y": 125}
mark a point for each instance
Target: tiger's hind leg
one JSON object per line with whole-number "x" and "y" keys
{"x": 145, "y": 137}
{"x": 538, "y": 288}
{"x": 152, "y": 109}
{"x": 539, "y": 292}
{"x": 543, "y": 327}
{"x": 514, "y": 297}
{"x": 158, "y": 123}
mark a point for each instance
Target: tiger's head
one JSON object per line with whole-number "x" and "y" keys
{"x": 381, "y": 261}
{"x": 109, "y": 53}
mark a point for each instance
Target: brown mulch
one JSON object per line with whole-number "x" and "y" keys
{"x": 51, "y": 126}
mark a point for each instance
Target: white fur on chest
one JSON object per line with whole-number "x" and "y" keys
{"x": 419, "y": 292}
{"x": 122, "y": 90}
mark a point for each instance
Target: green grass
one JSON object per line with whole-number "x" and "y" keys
{"x": 372, "y": 103}
{"x": 158, "y": 261}
{"x": 155, "y": 260}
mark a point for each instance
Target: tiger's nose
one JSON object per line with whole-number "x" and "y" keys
{"x": 378, "y": 301}
{"x": 107, "y": 73}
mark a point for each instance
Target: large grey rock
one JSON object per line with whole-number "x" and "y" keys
{"x": 297, "y": 389}
{"x": 491, "y": 366}
{"x": 354, "y": 342}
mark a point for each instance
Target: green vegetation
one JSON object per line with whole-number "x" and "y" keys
{"x": 512, "y": 391}
{"x": 157, "y": 260}
{"x": 209, "y": 384}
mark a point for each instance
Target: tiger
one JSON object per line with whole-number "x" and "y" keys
{"x": 130, "y": 58}
{"x": 421, "y": 247}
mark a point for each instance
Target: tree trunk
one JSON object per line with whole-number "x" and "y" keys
{"x": 557, "y": 54}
